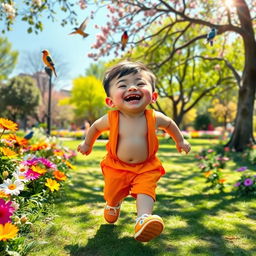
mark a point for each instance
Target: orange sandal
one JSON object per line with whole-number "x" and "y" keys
{"x": 111, "y": 213}
{"x": 148, "y": 227}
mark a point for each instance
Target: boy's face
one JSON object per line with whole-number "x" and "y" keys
{"x": 132, "y": 92}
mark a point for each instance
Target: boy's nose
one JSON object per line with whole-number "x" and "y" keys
{"x": 132, "y": 88}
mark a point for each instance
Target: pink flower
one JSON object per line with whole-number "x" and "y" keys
{"x": 6, "y": 211}
{"x": 31, "y": 175}
{"x": 46, "y": 163}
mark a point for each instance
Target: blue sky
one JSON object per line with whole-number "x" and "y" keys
{"x": 73, "y": 48}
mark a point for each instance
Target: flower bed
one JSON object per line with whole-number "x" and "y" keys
{"x": 33, "y": 174}
{"x": 212, "y": 164}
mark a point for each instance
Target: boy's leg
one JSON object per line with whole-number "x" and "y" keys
{"x": 147, "y": 226}
{"x": 115, "y": 190}
{"x": 144, "y": 204}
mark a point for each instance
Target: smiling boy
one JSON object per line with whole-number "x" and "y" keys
{"x": 131, "y": 166}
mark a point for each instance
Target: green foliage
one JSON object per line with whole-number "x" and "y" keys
{"x": 32, "y": 12}
{"x": 96, "y": 69}
{"x": 20, "y": 96}
{"x": 8, "y": 58}
{"x": 88, "y": 96}
{"x": 202, "y": 122}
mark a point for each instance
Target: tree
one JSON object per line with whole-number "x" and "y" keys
{"x": 223, "y": 107}
{"x": 227, "y": 17}
{"x": 30, "y": 12}
{"x": 8, "y": 58}
{"x": 87, "y": 96}
{"x": 96, "y": 70}
{"x": 20, "y": 97}
{"x": 233, "y": 16}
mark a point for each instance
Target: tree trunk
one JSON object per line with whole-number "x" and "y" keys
{"x": 243, "y": 133}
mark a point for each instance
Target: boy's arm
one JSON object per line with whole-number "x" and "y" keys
{"x": 93, "y": 133}
{"x": 166, "y": 123}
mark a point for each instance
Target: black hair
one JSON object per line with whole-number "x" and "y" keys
{"x": 125, "y": 68}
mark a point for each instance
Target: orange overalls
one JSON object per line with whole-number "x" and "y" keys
{"x": 122, "y": 179}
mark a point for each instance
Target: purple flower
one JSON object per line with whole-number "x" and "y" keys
{"x": 248, "y": 182}
{"x": 237, "y": 184}
{"x": 241, "y": 169}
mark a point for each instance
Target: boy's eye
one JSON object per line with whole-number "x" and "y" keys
{"x": 122, "y": 86}
{"x": 141, "y": 84}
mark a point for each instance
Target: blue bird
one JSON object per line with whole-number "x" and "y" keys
{"x": 29, "y": 135}
{"x": 211, "y": 36}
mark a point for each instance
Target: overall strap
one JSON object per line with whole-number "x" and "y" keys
{"x": 113, "y": 117}
{"x": 152, "y": 138}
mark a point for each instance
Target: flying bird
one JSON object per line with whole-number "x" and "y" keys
{"x": 80, "y": 29}
{"x": 48, "y": 61}
{"x": 124, "y": 40}
{"x": 211, "y": 36}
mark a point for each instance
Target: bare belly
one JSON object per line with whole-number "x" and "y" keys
{"x": 132, "y": 150}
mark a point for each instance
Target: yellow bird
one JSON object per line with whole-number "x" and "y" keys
{"x": 48, "y": 61}
{"x": 80, "y": 29}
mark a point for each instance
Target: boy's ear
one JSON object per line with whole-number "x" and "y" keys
{"x": 154, "y": 97}
{"x": 109, "y": 102}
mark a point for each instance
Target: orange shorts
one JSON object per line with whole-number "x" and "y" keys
{"x": 120, "y": 183}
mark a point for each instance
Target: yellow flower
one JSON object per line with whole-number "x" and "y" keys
{"x": 38, "y": 169}
{"x": 59, "y": 175}
{"x": 69, "y": 165}
{"x": 58, "y": 153}
{"x": 207, "y": 174}
{"x": 8, "y": 231}
{"x": 52, "y": 184}
{"x": 8, "y": 124}
{"x": 8, "y": 152}
{"x": 3, "y": 194}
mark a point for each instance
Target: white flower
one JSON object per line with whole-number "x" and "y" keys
{"x": 22, "y": 168}
{"x": 20, "y": 176}
{"x": 9, "y": 10}
{"x": 12, "y": 187}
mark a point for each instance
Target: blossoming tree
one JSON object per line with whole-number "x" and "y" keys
{"x": 236, "y": 17}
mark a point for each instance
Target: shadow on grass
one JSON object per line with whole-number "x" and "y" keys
{"x": 197, "y": 234}
{"x": 107, "y": 242}
{"x": 195, "y": 216}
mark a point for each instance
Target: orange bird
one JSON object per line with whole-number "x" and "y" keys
{"x": 80, "y": 29}
{"x": 124, "y": 40}
{"x": 48, "y": 61}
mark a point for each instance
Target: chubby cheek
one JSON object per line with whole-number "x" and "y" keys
{"x": 147, "y": 95}
{"x": 118, "y": 98}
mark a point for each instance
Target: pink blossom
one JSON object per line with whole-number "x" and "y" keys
{"x": 6, "y": 211}
{"x": 31, "y": 175}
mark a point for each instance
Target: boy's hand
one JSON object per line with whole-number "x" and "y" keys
{"x": 183, "y": 145}
{"x": 84, "y": 149}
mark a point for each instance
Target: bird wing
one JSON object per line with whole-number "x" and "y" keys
{"x": 72, "y": 33}
{"x": 84, "y": 24}
{"x": 49, "y": 59}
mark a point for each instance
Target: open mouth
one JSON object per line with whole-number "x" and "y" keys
{"x": 132, "y": 97}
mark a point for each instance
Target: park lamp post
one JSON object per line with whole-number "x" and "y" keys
{"x": 49, "y": 73}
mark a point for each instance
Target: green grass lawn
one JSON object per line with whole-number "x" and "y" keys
{"x": 197, "y": 221}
